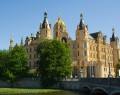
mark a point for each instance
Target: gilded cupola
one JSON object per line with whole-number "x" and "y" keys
{"x": 60, "y": 25}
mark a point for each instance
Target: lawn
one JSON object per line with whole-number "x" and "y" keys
{"x": 18, "y": 91}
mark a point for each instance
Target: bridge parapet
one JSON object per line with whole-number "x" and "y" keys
{"x": 104, "y": 81}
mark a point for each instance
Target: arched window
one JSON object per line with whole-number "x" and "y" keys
{"x": 64, "y": 40}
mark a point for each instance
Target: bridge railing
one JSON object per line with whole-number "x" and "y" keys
{"x": 105, "y": 81}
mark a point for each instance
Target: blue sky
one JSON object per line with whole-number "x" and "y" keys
{"x": 20, "y": 18}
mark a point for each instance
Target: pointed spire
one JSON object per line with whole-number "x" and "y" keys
{"x": 59, "y": 16}
{"x": 113, "y": 34}
{"x": 11, "y": 43}
{"x": 45, "y": 14}
{"x": 81, "y": 24}
{"x": 113, "y": 29}
{"x": 21, "y": 41}
{"x": 81, "y": 16}
{"x": 45, "y": 23}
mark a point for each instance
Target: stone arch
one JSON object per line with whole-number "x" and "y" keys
{"x": 85, "y": 86}
{"x": 85, "y": 90}
{"x": 116, "y": 92}
{"x": 64, "y": 39}
{"x": 99, "y": 90}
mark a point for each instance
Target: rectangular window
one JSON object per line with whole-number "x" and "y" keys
{"x": 78, "y": 53}
{"x": 73, "y": 46}
{"x": 85, "y": 52}
{"x": 30, "y": 49}
{"x": 78, "y": 45}
{"x": 85, "y": 45}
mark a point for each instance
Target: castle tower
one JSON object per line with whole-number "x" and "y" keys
{"x": 114, "y": 44}
{"x": 82, "y": 44}
{"x": 11, "y": 43}
{"x": 60, "y": 31}
{"x": 45, "y": 29}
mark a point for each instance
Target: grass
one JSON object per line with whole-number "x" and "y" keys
{"x": 20, "y": 91}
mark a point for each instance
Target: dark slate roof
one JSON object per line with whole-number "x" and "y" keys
{"x": 95, "y": 35}
{"x": 45, "y": 21}
{"x": 81, "y": 25}
{"x": 113, "y": 37}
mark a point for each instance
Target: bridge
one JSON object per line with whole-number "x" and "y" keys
{"x": 93, "y": 86}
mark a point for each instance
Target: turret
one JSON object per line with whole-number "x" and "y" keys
{"x": 27, "y": 40}
{"x": 32, "y": 36}
{"x": 38, "y": 35}
{"x": 82, "y": 29}
{"x": 114, "y": 44}
{"x": 45, "y": 29}
{"x": 59, "y": 29}
{"x": 21, "y": 44}
{"x": 82, "y": 45}
{"x": 11, "y": 43}
{"x": 114, "y": 40}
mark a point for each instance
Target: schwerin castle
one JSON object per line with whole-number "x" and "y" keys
{"x": 92, "y": 55}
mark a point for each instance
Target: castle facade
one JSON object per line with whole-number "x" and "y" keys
{"x": 92, "y": 55}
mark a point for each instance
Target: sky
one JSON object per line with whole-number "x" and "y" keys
{"x": 20, "y": 18}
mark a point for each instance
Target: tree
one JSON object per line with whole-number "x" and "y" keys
{"x": 117, "y": 67}
{"x": 4, "y": 59}
{"x": 16, "y": 67}
{"x": 54, "y": 62}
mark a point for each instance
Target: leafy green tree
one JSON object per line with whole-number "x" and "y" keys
{"x": 16, "y": 67}
{"x": 4, "y": 59}
{"x": 55, "y": 61}
{"x": 117, "y": 67}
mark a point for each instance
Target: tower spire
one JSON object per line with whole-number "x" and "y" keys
{"x": 113, "y": 29}
{"x": 45, "y": 14}
{"x": 11, "y": 43}
{"x": 59, "y": 16}
{"x": 81, "y": 24}
{"x": 45, "y": 21}
{"x": 113, "y": 34}
{"x": 21, "y": 41}
{"x": 81, "y": 16}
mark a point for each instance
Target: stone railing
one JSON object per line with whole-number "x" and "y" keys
{"x": 104, "y": 81}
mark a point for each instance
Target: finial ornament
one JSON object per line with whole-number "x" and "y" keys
{"x": 59, "y": 16}
{"x": 113, "y": 29}
{"x": 81, "y": 16}
{"x": 45, "y": 14}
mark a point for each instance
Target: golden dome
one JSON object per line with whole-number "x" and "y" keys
{"x": 60, "y": 23}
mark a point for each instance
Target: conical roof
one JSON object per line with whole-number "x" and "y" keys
{"x": 45, "y": 21}
{"x": 81, "y": 24}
